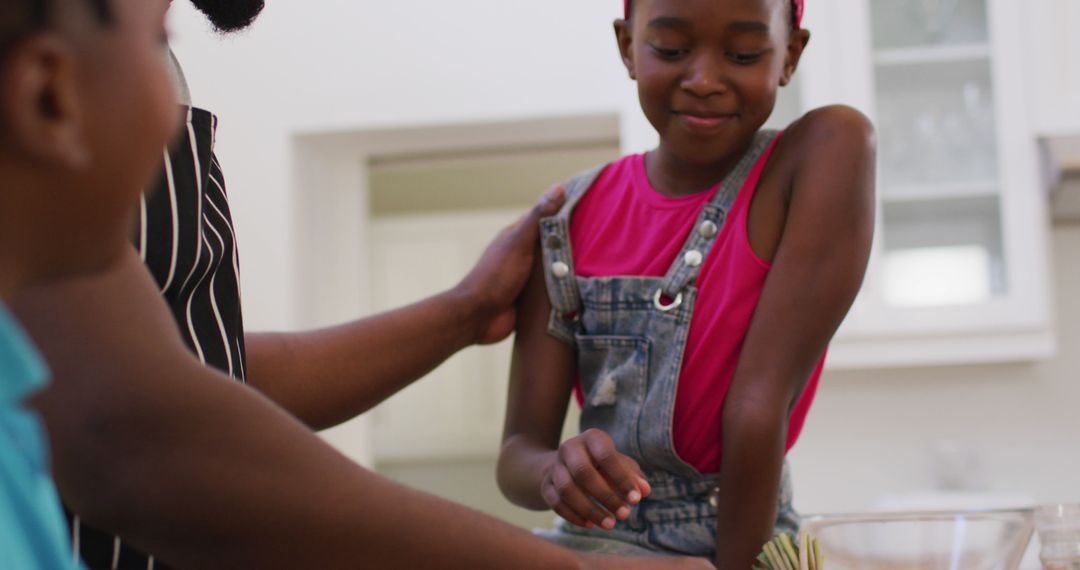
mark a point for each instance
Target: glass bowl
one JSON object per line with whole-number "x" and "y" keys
{"x": 984, "y": 540}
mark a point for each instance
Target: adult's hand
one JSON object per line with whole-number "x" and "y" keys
{"x": 496, "y": 281}
{"x": 328, "y": 376}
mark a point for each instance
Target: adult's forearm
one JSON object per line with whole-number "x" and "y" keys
{"x": 206, "y": 473}
{"x": 207, "y": 491}
{"x": 328, "y": 376}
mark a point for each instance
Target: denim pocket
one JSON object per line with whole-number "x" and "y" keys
{"x": 614, "y": 375}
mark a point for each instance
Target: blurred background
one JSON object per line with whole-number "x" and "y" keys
{"x": 373, "y": 148}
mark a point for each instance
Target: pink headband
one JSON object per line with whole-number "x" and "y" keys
{"x": 798, "y": 11}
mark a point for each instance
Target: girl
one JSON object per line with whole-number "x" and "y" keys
{"x": 688, "y": 295}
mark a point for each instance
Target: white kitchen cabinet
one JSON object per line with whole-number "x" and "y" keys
{"x": 1052, "y": 65}
{"x": 959, "y": 271}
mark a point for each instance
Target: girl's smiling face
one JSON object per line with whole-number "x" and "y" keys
{"x": 708, "y": 71}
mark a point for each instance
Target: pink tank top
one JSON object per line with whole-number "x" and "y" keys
{"x": 624, "y": 227}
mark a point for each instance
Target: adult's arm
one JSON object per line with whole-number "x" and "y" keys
{"x": 816, "y": 273}
{"x": 325, "y": 377}
{"x": 206, "y": 473}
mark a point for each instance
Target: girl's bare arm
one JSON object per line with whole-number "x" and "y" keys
{"x": 816, "y": 273}
{"x": 535, "y": 471}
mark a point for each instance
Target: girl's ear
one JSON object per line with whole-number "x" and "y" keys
{"x": 40, "y": 105}
{"x": 796, "y": 45}
{"x": 625, "y": 40}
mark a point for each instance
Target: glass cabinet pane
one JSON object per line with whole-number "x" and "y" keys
{"x": 943, "y": 252}
{"x": 908, "y": 23}
{"x": 938, "y": 152}
{"x": 936, "y": 127}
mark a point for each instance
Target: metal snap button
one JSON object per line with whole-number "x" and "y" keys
{"x": 714, "y": 497}
{"x": 693, "y": 258}
{"x": 658, "y": 301}
{"x": 560, "y": 269}
{"x": 708, "y": 229}
{"x": 554, "y": 242}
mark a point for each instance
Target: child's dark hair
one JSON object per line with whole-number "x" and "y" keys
{"x": 791, "y": 8}
{"x": 18, "y": 18}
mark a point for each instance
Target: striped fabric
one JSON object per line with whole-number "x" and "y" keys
{"x": 185, "y": 236}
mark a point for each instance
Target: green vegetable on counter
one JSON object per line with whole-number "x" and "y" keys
{"x": 781, "y": 553}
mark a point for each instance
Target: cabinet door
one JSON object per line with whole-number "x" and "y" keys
{"x": 958, "y": 271}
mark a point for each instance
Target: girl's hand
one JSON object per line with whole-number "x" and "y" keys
{"x": 588, "y": 470}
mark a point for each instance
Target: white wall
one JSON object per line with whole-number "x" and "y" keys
{"x": 870, "y": 433}
{"x": 335, "y": 64}
{"x": 1053, "y": 65}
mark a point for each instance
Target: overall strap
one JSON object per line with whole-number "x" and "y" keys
{"x": 711, "y": 219}
{"x": 558, "y": 259}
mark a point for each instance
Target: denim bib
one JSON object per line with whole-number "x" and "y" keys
{"x": 630, "y": 334}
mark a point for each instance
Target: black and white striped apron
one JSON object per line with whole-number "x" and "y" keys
{"x": 185, "y": 236}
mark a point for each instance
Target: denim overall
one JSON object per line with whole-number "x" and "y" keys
{"x": 630, "y": 334}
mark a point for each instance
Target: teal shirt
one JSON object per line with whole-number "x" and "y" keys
{"x": 32, "y": 530}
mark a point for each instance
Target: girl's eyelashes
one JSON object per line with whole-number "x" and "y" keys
{"x": 738, "y": 57}
{"x": 668, "y": 53}
{"x": 746, "y": 58}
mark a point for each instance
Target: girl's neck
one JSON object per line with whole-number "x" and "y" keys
{"x": 673, "y": 176}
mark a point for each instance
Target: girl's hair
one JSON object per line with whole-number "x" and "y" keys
{"x": 795, "y": 5}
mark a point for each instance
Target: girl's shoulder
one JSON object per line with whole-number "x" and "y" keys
{"x": 841, "y": 125}
{"x": 623, "y": 168}
{"x": 834, "y": 116}
{"x": 825, "y": 158}
{"x": 618, "y": 173}
{"x": 836, "y": 134}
